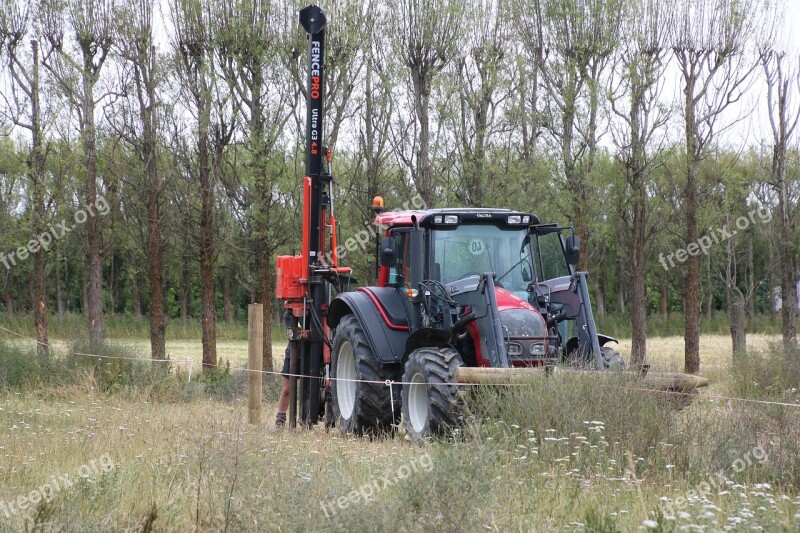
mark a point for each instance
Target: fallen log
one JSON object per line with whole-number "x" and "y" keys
{"x": 663, "y": 381}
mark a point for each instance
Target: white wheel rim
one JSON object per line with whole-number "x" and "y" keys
{"x": 418, "y": 402}
{"x": 346, "y": 386}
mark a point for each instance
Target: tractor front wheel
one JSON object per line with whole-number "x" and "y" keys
{"x": 612, "y": 359}
{"x": 361, "y": 400}
{"x": 430, "y": 395}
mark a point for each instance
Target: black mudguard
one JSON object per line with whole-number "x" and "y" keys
{"x": 605, "y": 339}
{"x": 388, "y": 343}
{"x": 425, "y": 337}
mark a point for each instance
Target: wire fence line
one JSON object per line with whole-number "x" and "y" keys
{"x": 190, "y": 362}
{"x": 392, "y": 383}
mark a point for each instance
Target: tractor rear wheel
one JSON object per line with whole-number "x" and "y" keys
{"x": 361, "y": 400}
{"x": 430, "y": 395}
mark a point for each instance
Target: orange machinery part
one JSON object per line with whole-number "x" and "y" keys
{"x": 290, "y": 273}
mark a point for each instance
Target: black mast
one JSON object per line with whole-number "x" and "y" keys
{"x": 313, "y": 20}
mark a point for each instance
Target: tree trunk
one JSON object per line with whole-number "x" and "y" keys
{"x": 751, "y": 281}
{"x": 788, "y": 283}
{"x": 94, "y": 304}
{"x": 709, "y": 289}
{"x": 112, "y": 285}
{"x": 622, "y": 284}
{"x": 37, "y": 163}
{"x": 207, "y": 288}
{"x": 773, "y": 312}
{"x": 785, "y": 245}
{"x": 783, "y": 117}
{"x": 738, "y": 325}
{"x": 136, "y": 296}
{"x": 59, "y": 296}
{"x": 268, "y": 293}
{"x": 691, "y": 296}
{"x": 423, "y": 176}
{"x": 186, "y": 289}
{"x": 637, "y": 282}
{"x": 158, "y": 324}
{"x": 157, "y": 320}
{"x": 226, "y": 297}
{"x": 665, "y": 295}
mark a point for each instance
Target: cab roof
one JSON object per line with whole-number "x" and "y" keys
{"x": 428, "y": 218}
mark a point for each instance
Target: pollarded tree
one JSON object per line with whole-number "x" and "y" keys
{"x": 642, "y": 60}
{"x": 193, "y": 44}
{"x": 141, "y": 130}
{"x": 253, "y": 49}
{"x": 573, "y": 41}
{"x": 782, "y": 73}
{"x": 427, "y": 40}
{"x": 373, "y": 164}
{"x": 481, "y": 73}
{"x": 76, "y": 64}
{"x": 24, "y": 107}
{"x": 709, "y": 42}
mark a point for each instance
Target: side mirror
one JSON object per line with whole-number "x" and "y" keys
{"x": 388, "y": 252}
{"x": 526, "y": 275}
{"x": 573, "y": 249}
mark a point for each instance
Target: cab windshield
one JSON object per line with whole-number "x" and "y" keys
{"x": 472, "y": 249}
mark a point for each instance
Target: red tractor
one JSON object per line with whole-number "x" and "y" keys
{"x": 484, "y": 288}
{"x": 458, "y": 290}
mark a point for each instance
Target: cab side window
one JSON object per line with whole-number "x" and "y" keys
{"x": 401, "y": 268}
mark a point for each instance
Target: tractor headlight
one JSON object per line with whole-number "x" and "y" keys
{"x": 514, "y": 219}
{"x": 537, "y": 348}
{"x": 514, "y": 349}
{"x": 451, "y": 219}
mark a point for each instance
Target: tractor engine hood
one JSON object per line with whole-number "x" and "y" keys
{"x": 524, "y": 327}
{"x": 508, "y": 300}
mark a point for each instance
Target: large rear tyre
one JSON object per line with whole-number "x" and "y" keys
{"x": 360, "y": 407}
{"x": 430, "y": 395}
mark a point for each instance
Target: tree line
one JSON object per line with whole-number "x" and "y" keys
{"x": 164, "y": 139}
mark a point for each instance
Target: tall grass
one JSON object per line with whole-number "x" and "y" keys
{"x": 115, "y": 369}
{"x": 566, "y": 452}
{"x": 639, "y": 433}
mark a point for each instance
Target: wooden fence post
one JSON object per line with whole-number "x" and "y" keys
{"x": 255, "y": 350}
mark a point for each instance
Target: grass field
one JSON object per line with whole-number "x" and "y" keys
{"x": 119, "y": 447}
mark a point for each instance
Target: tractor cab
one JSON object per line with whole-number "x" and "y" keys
{"x": 529, "y": 263}
{"x": 462, "y": 243}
